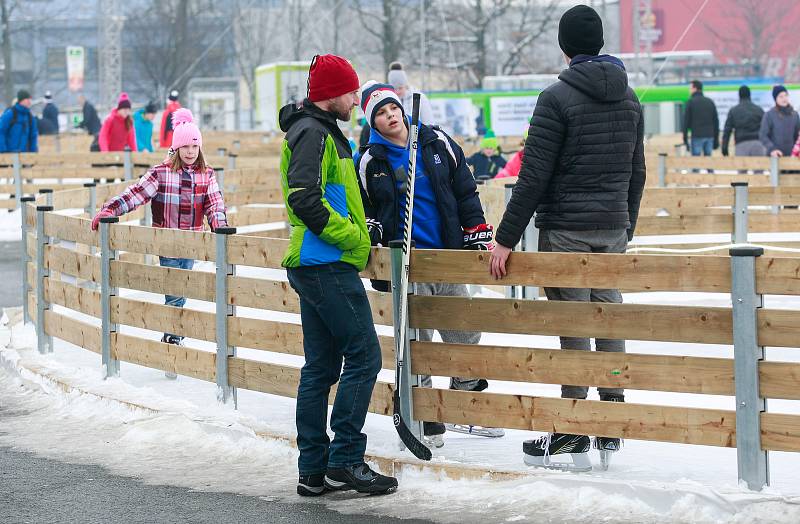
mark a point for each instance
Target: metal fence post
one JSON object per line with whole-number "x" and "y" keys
{"x": 662, "y": 170}
{"x": 530, "y": 244}
{"x": 225, "y": 392}
{"x": 774, "y": 177}
{"x": 237, "y": 144}
{"x": 752, "y": 460}
{"x": 110, "y": 364}
{"x": 740, "y": 212}
{"x": 91, "y": 204}
{"x": 26, "y": 315}
{"x": 127, "y": 163}
{"x": 48, "y": 195}
{"x": 403, "y": 354}
{"x": 44, "y": 343}
{"x": 17, "y": 179}
{"x": 220, "y": 174}
{"x": 221, "y": 151}
{"x": 512, "y": 291}
{"x": 232, "y": 161}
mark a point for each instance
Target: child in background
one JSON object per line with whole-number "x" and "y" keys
{"x": 513, "y": 166}
{"x": 143, "y": 122}
{"x": 183, "y": 189}
{"x": 488, "y": 161}
{"x": 117, "y": 131}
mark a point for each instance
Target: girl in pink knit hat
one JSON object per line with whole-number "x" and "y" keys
{"x": 182, "y": 190}
{"x": 118, "y": 131}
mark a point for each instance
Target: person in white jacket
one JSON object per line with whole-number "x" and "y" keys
{"x": 397, "y": 78}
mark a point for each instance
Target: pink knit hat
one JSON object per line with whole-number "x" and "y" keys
{"x": 124, "y": 102}
{"x": 185, "y": 131}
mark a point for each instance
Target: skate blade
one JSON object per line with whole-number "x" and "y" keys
{"x": 433, "y": 441}
{"x": 605, "y": 458}
{"x": 580, "y": 463}
{"x": 477, "y": 431}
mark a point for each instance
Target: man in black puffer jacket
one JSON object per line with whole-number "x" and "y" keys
{"x": 744, "y": 121}
{"x": 583, "y": 173}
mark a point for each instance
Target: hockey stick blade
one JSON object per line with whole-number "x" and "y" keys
{"x": 417, "y": 448}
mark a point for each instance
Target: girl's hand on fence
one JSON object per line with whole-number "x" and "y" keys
{"x": 96, "y": 220}
{"x": 497, "y": 264}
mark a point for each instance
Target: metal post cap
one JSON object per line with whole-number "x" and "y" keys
{"x": 746, "y": 251}
{"x": 28, "y": 199}
{"x": 225, "y": 231}
{"x": 739, "y": 184}
{"x": 89, "y": 184}
{"x": 44, "y": 208}
{"x": 508, "y": 186}
{"x": 398, "y": 244}
{"x": 234, "y": 155}
{"x": 109, "y": 220}
{"x": 45, "y": 190}
{"x": 663, "y": 154}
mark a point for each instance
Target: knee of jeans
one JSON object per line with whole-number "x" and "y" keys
{"x": 376, "y": 361}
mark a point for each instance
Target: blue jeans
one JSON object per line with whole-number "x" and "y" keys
{"x": 179, "y": 263}
{"x": 337, "y": 326}
{"x": 702, "y": 146}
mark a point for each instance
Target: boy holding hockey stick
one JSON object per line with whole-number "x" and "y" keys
{"x": 447, "y": 211}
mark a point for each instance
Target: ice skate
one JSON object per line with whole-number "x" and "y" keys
{"x": 607, "y": 446}
{"x": 478, "y": 431}
{"x": 545, "y": 451}
{"x": 433, "y": 434}
{"x": 171, "y": 339}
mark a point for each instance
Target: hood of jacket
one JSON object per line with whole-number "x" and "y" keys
{"x": 22, "y": 109}
{"x": 601, "y": 77}
{"x": 290, "y": 114}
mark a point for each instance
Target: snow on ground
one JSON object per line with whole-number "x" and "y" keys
{"x": 10, "y": 225}
{"x": 193, "y": 441}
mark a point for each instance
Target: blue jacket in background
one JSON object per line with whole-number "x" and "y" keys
{"x": 144, "y": 131}
{"x": 19, "y": 131}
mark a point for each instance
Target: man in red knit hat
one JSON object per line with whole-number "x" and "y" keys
{"x": 328, "y": 246}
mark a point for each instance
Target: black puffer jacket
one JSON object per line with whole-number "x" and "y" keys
{"x": 583, "y": 165}
{"x": 701, "y": 117}
{"x": 744, "y": 121}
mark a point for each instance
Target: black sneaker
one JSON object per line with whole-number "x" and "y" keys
{"x": 361, "y": 478}
{"x": 311, "y": 485}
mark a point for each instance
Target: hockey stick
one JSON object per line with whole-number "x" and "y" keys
{"x": 411, "y": 442}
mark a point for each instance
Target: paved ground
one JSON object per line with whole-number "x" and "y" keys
{"x": 10, "y": 274}
{"x": 38, "y": 490}
{"x": 34, "y": 490}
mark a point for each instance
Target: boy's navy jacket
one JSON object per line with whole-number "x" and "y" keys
{"x": 451, "y": 180}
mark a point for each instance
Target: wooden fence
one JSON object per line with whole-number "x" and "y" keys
{"x": 105, "y": 308}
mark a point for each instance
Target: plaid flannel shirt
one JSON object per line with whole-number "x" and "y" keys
{"x": 179, "y": 199}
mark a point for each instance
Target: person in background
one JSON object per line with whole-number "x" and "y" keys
{"x": 780, "y": 126}
{"x": 118, "y": 131}
{"x": 165, "y": 136}
{"x": 702, "y": 119}
{"x": 91, "y": 122}
{"x": 488, "y": 161}
{"x": 397, "y": 78}
{"x": 363, "y": 138}
{"x": 19, "y": 130}
{"x": 513, "y": 166}
{"x": 49, "y": 122}
{"x": 143, "y": 122}
{"x": 744, "y": 121}
{"x": 183, "y": 190}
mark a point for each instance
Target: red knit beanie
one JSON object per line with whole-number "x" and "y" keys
{"x": 330, "y": 76}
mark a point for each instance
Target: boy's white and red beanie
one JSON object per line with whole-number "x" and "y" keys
{"x": 185, "y": 131}
{"x": 374, "y": 96}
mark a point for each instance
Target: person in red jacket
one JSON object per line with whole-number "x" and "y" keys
{"x": 165, "y": 137}
{"x": 118, "y": 131}
{"x": 513, "y": 166}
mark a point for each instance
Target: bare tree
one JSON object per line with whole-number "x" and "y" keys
{"x": 164, "y": 41}
{"x": 534, "y": 21}
{"x": 388, "y": 25}
{"x": 753, "y": 27}
{"x": 250, "y": 24}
